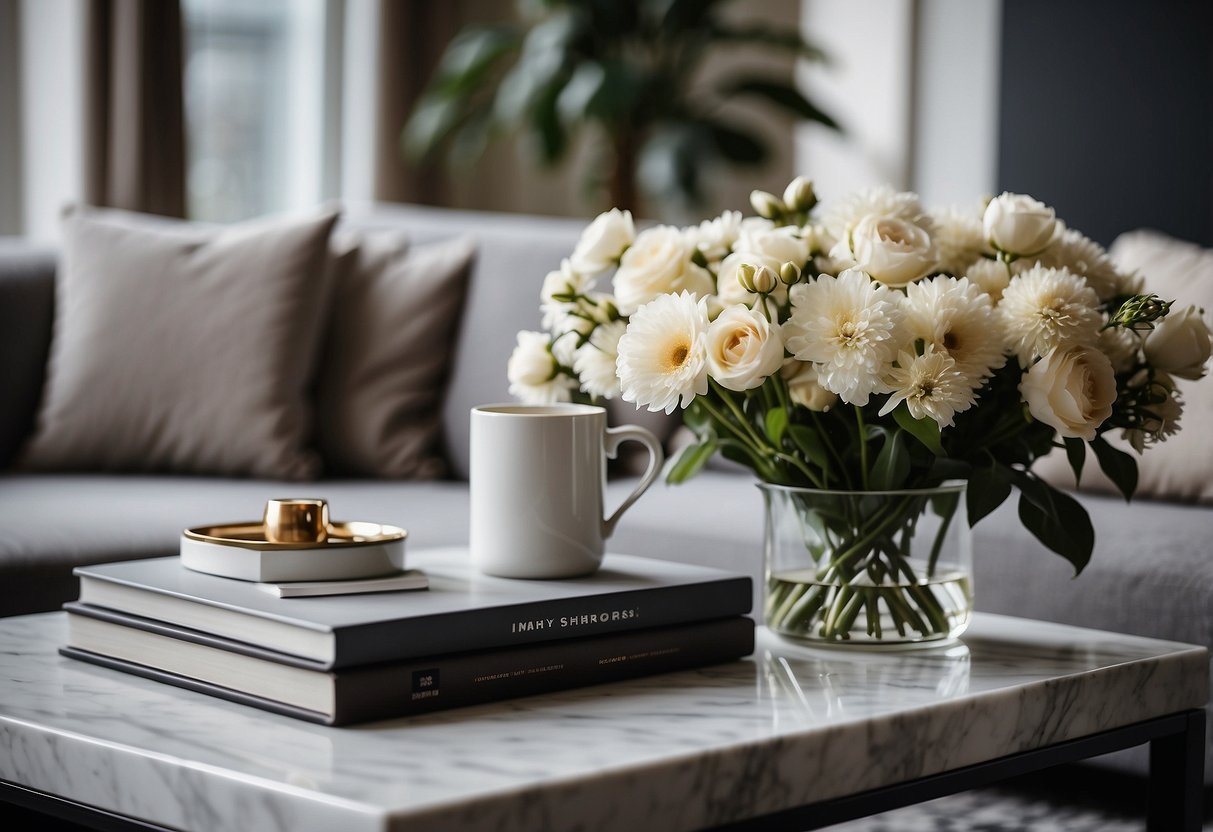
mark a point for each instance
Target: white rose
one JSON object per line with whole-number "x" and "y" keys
{"x": 532, "y": 371}
{"x": 1180, "y": 344}
{"x": 658, "y": 263}
{"x": 804, "y": 387}
{"x": 783, "y": 244}
{"x": 603, "y": 241}
{"x": 743, "y": 348}
{"x": 1071, "y": 390}
{"x": 1018, "y": 224}
{"x": 893, "y": 251}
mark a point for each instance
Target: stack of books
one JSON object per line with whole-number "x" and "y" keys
{"x": 469, "y": 639}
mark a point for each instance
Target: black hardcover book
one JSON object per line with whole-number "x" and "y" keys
{"x": 305, "y": 690}
{"x": 462, "y": 610}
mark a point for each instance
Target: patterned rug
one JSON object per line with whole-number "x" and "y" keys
{"x": 1068, "y": 799}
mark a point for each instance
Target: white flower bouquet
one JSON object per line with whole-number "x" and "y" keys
{"x": 871, "y": 345}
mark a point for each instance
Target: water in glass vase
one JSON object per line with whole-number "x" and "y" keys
{"x": 938, "y": 607}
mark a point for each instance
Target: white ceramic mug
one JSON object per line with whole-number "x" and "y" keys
{"x": 537, "y": 479}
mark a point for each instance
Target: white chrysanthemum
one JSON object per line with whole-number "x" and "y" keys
{"x": 959, "y": 239}
{"x": 663, "y": 353}
{"x": 1085, "y": 257}
{"x": 594, "y": 361}
{"x": 715, "y": 237}
{"x": 658, "y": 263}
{"x": 1160, "y": 419}
{"x": 533, "y": 373}
{"x": 843, "y": 215}
{"x": 1045, "y": 308}
{"x": 1121, "y": 346}
{"x": 930, "y": 385}
{"x": 850, "y": 326}
{"x": 991, "y": 276}
{"x": 957, "y": 318}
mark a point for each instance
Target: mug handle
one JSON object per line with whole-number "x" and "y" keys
{"x": 611, "y": 442}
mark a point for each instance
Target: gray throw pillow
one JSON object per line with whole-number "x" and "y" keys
{"x": 395, "y": 315}
{"x": 184, "y": 349}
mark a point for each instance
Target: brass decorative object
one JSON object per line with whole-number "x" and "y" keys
{"x": 292, "y": 524}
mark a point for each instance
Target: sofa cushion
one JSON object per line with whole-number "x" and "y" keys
{"x": 1181, "y": 468}
{"x": 391, "y": 332}
{"x": 183, "y": 349}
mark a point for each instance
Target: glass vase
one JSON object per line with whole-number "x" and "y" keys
{"x": 868, "y": 568}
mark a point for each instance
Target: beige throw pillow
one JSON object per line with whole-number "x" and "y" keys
{"x": 395, "y": 315}
{"x": 1180, "y": 468}
{"x": 183, "y": 349}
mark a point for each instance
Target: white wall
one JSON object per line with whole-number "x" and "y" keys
{"x": 52, "y": 95}
{"x": 914, "y": 84}
{"x": 10, "y": 121}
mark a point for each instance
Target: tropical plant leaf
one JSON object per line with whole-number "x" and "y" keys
{"x": 432, "y": 122}
{"x": 469, "y": 58}
{"x": 736, "y": 145}
{"x": 770, "y": 36}
{"x": 925, "y": 431}
{"x": 781, "y": 94}
{"x": 892, "y": 464}
{"x": 989, "y": 486}
{"x": 1076, "y": 455}
{"x": 690, "y": 460}
{"x": 1120, "y": 467}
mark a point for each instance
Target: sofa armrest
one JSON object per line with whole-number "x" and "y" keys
{"x": 27, "y": 301}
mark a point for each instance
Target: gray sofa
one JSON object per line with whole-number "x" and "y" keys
{"x": 1151, "y": 574}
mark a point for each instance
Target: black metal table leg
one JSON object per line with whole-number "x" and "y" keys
{"x": 1177, "y": 773}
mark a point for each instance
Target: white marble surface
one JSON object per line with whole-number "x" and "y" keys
{"x": 680, "y": 751}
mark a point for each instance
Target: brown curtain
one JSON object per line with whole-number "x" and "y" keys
{"x": 134, "y": 110}
{"x": 412, "y": 37}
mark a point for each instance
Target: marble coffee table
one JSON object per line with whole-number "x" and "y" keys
{"x": 793, "y": 738}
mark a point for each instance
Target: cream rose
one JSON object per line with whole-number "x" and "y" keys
{"x": 1071, "y": 390}
{"x": 893, "y": 251}
{"x": 658, "y": 263}
{"x": 603, "y": 242}
{"x": 1018, "y": 224}
{"x": 1181, "y": 343}
{"x": 804, "y": 388}
{"x": 743, "y": 348}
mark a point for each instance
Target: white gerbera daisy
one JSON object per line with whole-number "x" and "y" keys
{"x": 957, "y": 318}
{"x": 594, "y": 361}
{"x": 842, "y": 216}
{"x": 534, "y": 376}
{"x": 930, "y": 385}
{"x": 959, "y": 239}
{"x": 663, "y": 353}
{"x": 1087, "y": 258}
{"x": 1043, "y": 308}
{"x": 850, "y": 326}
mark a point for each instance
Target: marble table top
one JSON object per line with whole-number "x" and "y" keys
{"x": 789, "y": 726}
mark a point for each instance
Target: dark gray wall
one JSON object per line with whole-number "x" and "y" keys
{"x": 1106, "y": 113}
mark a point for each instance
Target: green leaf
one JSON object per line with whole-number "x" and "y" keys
{"x": 988, "y": 488}
{"x": 1056, "y": 519}
{"x": 737, "y": 145}
{"x": 690, "y": 461}
{"x": 779, "y": 38}
{"x": 776, "y": 424}
{"x": 697, "y": 418}
{"x": 810, "y": 444}
{"x": 781, "y": 94}
{"x": 1120, "y": 467}
{"x": 925, "y": 431}
{"x": 1076, "y": 453}
{"x": 469, "y": 58}
{"x": 892, "y": 464}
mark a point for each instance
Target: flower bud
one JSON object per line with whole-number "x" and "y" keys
{"x": 745, "y": 276}
{"x": 767, "y": 205}
{"x": 1140, "y": 312}
{"x": 789, "y": 273}
{"x": 799, "y": 194}
{"x": 765, "y": 280}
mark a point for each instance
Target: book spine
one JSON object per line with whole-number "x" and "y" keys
{"x": 450, "y": 682}
{"x": 534, "y": 622}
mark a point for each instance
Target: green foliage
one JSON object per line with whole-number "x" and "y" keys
{"x": 627, "y": 72}
{"x": 1120, "y": 467}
